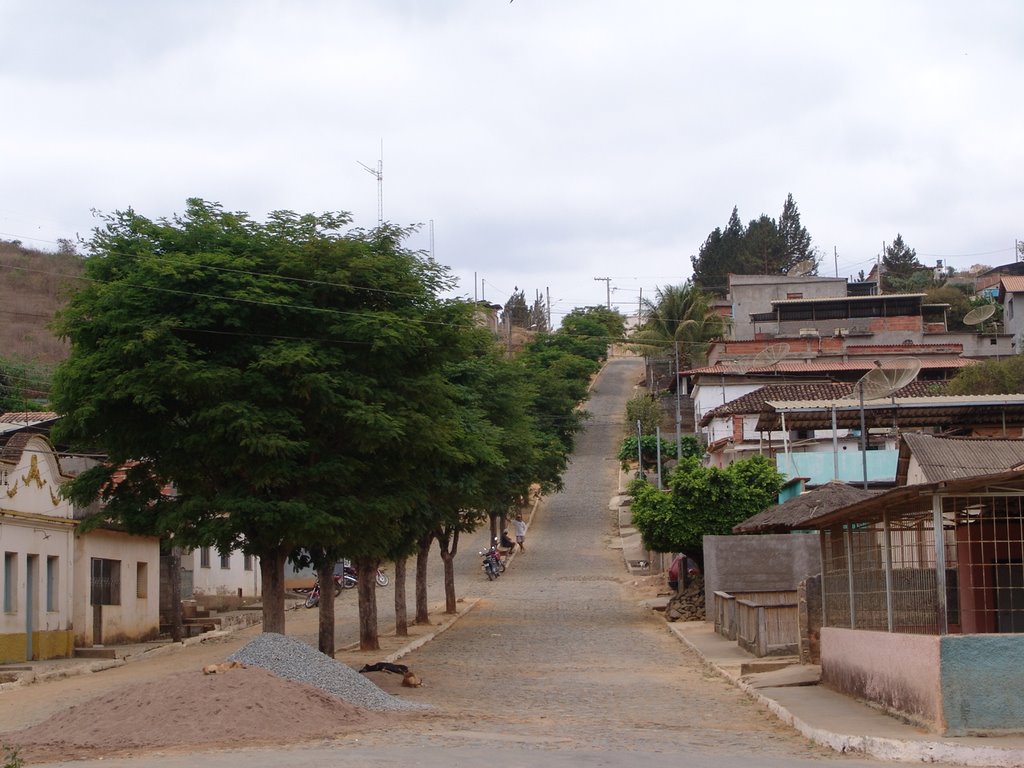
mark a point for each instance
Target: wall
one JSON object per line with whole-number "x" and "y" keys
{"x": 819, "y": 466}
{"x": 136, "y": 617}
{"x": 898, "y": 672}
{"x": 758, "y": 563}
{"x": 753, "y": 294}
{"x": 981, "y": 680}
{"x": 955, "y": 685}
{"x": 216, "y": 580}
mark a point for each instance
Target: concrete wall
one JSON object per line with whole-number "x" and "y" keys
{"x": 219, "y": 580}
{"x": 753, "y": 294}
{"x": 899, "y": 672}
{"x": 981, "y": 680}
{"x": 758, "y": 563}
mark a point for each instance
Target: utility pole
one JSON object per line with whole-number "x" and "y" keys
{"x": 608, "y": 288}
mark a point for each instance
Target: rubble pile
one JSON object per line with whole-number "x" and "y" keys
{"x": 687, "y": 605}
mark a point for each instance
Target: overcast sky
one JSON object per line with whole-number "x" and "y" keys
{"x": 549, "y": 142}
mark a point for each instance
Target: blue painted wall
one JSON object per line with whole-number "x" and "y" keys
{"x": 982, "y": 677}
{"x": 820, "y": 468}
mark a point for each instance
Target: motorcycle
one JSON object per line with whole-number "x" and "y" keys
{"x": 493, "y": 564}
{"x": 313, "y": 599}
{"x": 349, "y": 577}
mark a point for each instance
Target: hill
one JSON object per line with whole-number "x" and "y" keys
{"x": 33, "y": 286}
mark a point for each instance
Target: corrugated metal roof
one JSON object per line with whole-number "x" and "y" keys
{"x": 784, "y": 517}
{"x": 882, "y": 297}
{"x": 928, "y": 401}
{"x": 948, "y": 458}
{"x": 946, "y": 411}
{"x": 1012, "y": 284}
{"x": 819, "y": 366}
{"x": 915, "y": 501}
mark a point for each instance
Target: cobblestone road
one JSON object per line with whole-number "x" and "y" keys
{"x": 562, "y": 655}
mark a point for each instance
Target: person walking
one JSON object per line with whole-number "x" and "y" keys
{"x": 519, "y": 526}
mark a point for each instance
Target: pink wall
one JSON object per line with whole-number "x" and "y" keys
{"x": 899, "y": 672}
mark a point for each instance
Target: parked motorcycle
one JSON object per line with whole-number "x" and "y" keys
{"x": 313, "y": 599}
{"x": 349, "y": 577}
{"x": 493, "y": 564}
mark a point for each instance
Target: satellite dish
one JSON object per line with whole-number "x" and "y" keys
{"x": 888, "y": 378}
{"x": 770, "y": 355}
{"x": 739, "y": 366}
{"x": 979, "y": 315}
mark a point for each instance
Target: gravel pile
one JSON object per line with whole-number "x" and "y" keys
{"x": 295, "y": 660}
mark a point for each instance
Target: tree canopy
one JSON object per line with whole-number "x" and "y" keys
{"x": 702, "y": 501}
{"x": 275, "y": 373}
{"x": 766, "y": 246}
{"x": 680, "y": 319}
{"x": 990, "y": 377}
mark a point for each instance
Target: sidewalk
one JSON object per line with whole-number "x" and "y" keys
{"x": 791, "y": 691}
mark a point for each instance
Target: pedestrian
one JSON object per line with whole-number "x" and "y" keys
{"x": 520, "y": 529}
{"x": 506, "y": 542}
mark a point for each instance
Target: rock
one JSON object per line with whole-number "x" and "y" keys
{"x": 688, "y": 605}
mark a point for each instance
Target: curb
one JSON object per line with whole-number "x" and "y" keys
{"x": 892, "y": 750}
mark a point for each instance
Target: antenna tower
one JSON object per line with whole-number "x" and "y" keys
{"x": 378, "y": 173}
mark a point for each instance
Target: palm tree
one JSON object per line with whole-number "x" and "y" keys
{"x": 680, "y": 321}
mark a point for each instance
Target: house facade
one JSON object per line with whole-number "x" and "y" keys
{"x": 62, "y": 588}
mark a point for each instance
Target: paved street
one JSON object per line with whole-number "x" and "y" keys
{"x": 558, "y": 664}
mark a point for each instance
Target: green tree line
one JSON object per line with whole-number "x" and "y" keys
{"x": 300, "y": 391}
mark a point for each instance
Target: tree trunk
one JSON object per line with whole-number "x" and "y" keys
{"x": 272, "y": 582}
{"x": 422, "y": 556}
{"x": 401, "y": 614}
{"x": 326, "y": 636}
{"x": 448, "y": 557}
{"x": 367, "y": 588}
{"x": 174, "y": 564}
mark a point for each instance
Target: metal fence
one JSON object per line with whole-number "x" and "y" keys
{"x": 890, "y": 575}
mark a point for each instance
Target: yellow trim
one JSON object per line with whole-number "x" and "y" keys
{"x": 49, "y": 644}
{"x": 35, "y": 517}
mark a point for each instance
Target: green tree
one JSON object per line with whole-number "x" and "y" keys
{"x": 702, "y": 501}
{"x": 796, "y": 249}
{"x": 900, "y": 266}
{"x": 765, "y": 246}
{"x": 680, "y": 320}
{"x": 720, "y": 255}
{"x": 516, "y": 311}
{"x": 273, "y": 372}
{"x": 990, "y": 377}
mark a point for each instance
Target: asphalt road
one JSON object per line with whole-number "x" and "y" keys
{"x": 558, "y": 664}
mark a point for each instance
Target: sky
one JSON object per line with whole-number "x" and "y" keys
{"x": 580, "y": 150}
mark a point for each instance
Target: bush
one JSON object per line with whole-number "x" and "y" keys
{"x": 702, "y": 501}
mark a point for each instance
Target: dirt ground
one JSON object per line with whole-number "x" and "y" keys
{"x": 166, "y": 703}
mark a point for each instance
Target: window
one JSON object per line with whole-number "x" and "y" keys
{"x": 141, "y": 580}
{"x": 52, "y": 583}
{"x": 10, "y": 582}
{"x": 105, "y": 585}
{"x": 791, "y": 296}
{"x": 247, "y": 562}
{"x": 225, "y": 562}
{"x": 204, "y": 557}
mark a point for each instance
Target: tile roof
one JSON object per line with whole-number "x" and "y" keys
{"x": 784, "y": 517}
{"x": 26, "y": 418}
{"x": 754, "y": 402}
{"x": 950, "y": 458}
